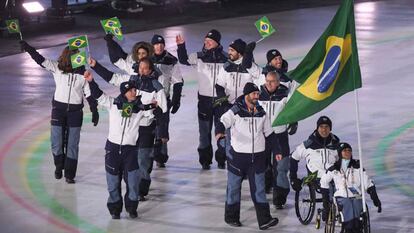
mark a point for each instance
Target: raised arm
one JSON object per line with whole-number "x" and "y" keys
{"x": 114, "y": 49}
{"x": 183, "y": 57}
{"x": 96, "y": 92}
{"x": 109, "y": 76}
{"x": 36, "y": 56}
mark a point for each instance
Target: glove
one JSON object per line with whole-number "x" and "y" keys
{"x": 250, "y": 47}
{"x": 109, "y": 37}
{"x": 296, "y": 184}
{"x": 95, "y": 118}
{"x": 175, "y": 106}
{"x": 374, "y": 196}
{"x": 292, "y": 128}
{"x": 24, "y": 45}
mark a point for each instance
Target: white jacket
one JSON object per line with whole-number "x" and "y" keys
{"x": 347, "y": 183}
{"x": 274, "y": 103}
{"x": 126, "y": 65}
{"x": 70, "y": 88}
{"x": 152, "y": 90}
{"x": 232, "y": 77}
{"x": 247, "y": 132}
{"x": 260, "y": 78}
{"x": 122, "y": 130}
{"x": 318, "y": 157}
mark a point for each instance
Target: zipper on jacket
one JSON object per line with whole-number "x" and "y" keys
{"x": 70, "y": 82}
{"x": 214, "y": 76}
{"x": 237, "y": 83}
{"x": 231, "y": 165}
{"x": 123, "y": 121}
{"x": 253, "y": 135}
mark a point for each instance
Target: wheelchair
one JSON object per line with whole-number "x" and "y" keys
{"x": 335, "y": 218}
{"x": 305, "y": 200}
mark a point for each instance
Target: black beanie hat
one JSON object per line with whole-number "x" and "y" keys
{"x": 343, "y": 146}
{"x": 239, "y": 45}
{"x": 249, "y": 88}
{"x": 214, "y": 35}
{"x": 324, "y": 120}
{"x": 272, "y": 54}
{"x": 126, "y": 86}
{"x": 157, "y": 39}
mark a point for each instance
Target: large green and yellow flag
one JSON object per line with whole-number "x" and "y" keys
{"x": 328, "y": 71}
{"x": 78, "y": 59}
{"x": 78, "y": 42}
{"x": 13, "y": 26}
{"x": 264, "y": 27}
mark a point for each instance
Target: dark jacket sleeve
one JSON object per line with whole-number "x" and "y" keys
{"x": 272, "y": 140}
{"x": 115, "y": 50}
{"x": 221, "y": 92}
{"x": 293, "y": 168}
{"x": 96, "y": 92}
{"x": 182, "y": 54}
{"x": 36, "y": 56}
{"x": 177, "y": 89}
{"x": 93, "y": 103}
{"x": 103, "y": 72}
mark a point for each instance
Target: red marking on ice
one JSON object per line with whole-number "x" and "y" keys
{"x": 16, "y": 198}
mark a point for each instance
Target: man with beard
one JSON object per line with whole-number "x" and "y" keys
{"x": 249, "y": 129}
{"x": 230, "y": 82}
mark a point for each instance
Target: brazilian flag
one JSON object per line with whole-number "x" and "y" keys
{"x": 78, "y": 59}
{"x": 264, "y": 27}
{"x": 13, "y": 26}
{"x": 78, "y": 42}
{"x": 113, "y": 26}
{"x": 127, "y": 109}
{"x": 328, "y": 71}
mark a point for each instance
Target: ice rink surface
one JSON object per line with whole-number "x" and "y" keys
{"x": 183, "y": 198}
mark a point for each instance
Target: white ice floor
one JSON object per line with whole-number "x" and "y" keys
{"x": 184, "y": 198}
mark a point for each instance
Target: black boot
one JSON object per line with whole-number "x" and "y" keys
{"x": 264, "y": 218}
{"x": 279, "y": 197}
{"x": 205, "y": 157}
{"x": 59, "y": 164}
{"x": 232, "y": 215}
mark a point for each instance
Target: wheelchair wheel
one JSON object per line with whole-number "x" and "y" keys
{"x": 333, "y": 223}
{"x": 366, "y": 224}
{"x": 305, "y": 201}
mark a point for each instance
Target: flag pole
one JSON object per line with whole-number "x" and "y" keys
{"x": 260, "y": 40}
{"x": 89, "y": 53}
{"x": 361, "y": 167}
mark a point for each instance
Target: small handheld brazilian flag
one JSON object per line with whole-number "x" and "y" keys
{"x": 78, "y": 42}
{"x": 264, "y": 27}
{"x": 113, "y": 26}
{"x": 127, "y": 109}
{"x": 13, "y": 26}
{"x": 78, "y": 59}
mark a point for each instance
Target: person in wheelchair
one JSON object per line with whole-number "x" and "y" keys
{"x": 319, "y": 150}
{"x": 345, "y": 174}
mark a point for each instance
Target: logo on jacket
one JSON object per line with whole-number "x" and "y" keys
{"x": 127, "y": 110}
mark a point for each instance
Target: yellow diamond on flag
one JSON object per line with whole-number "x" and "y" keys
{"x": 78, "y": 43}
{"x": 264, "y": 27}
{"x": 13, "y": 26}
{"x": 110, "y": 24}
{"x": 79, "y": 59}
